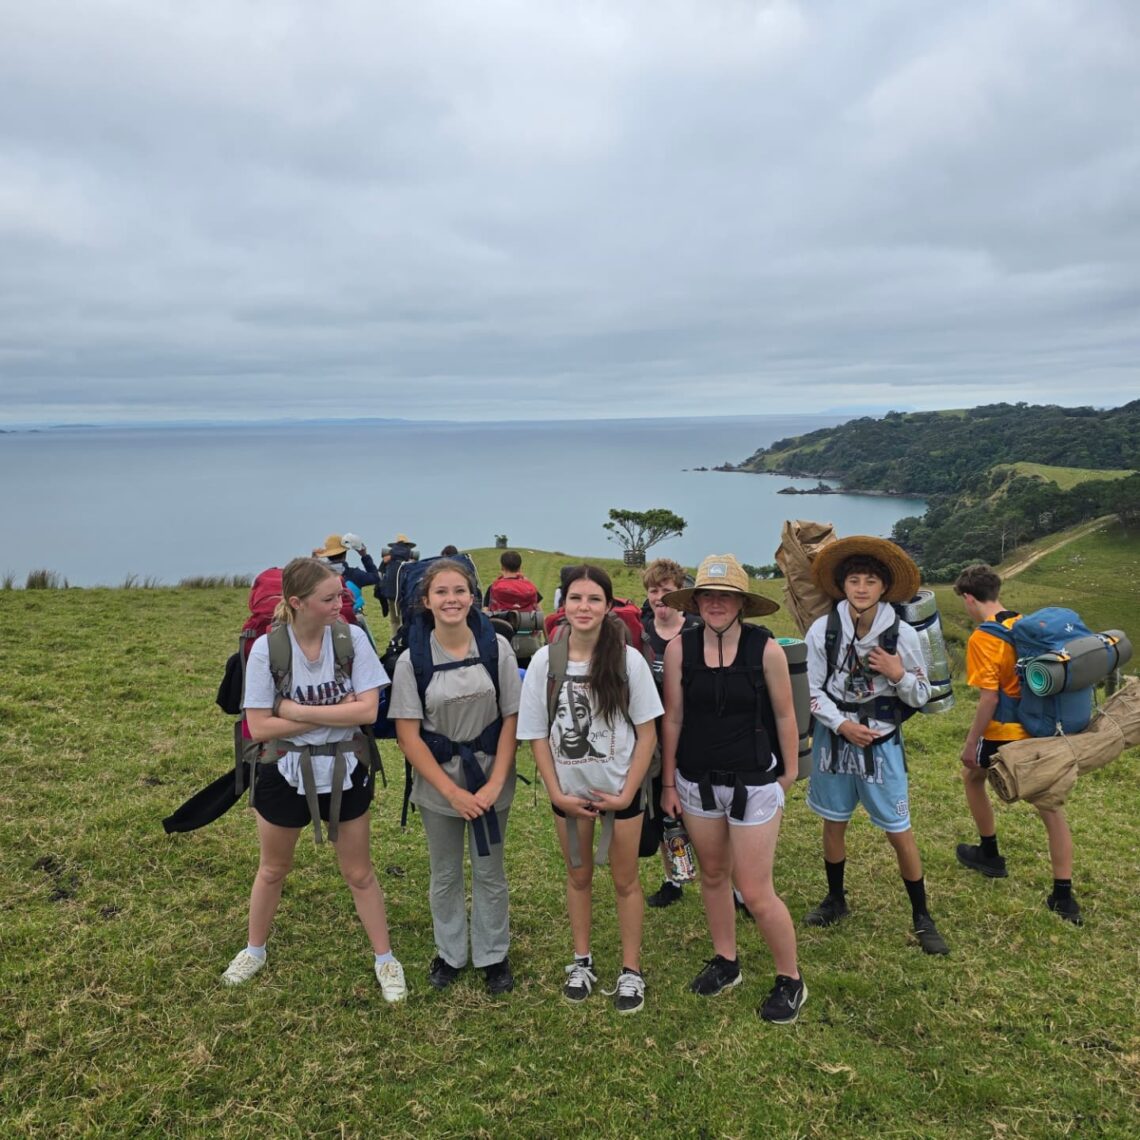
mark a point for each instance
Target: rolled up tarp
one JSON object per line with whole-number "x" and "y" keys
{"x": 1043, "y": 770}
{"x": 1086, "y": 661}
{"x": 796, "y": 652}
{"x": 800, "y": 542}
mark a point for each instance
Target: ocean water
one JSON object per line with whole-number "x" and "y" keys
{"x": 99, "y": 504}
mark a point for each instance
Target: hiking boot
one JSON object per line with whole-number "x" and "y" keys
{"x": 580, "y": 981}
{"x": 499, "y": 979}
{"x": 992, "y": 866}
{"x": 719, "y": 974}
{"x": 629, "y": 991}
{"x": 833, "y": 909}
{"x": 666, "y": 896}
{"x": 390, "y": 975}
{"x": 441, "y": 973}
{"x": 1066, "y": 908}
{"x": 782, "y": 1005}
{"x": 928, "y": 937}
{"x": 242, "y": 968}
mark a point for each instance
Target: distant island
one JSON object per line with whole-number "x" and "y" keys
{"x": 993, "y": 476}
{"x": 821, "y": 488}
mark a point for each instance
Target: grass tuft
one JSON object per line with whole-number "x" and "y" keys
{"x": 44, "y": 580}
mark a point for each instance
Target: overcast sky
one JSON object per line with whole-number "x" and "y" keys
{"x": 545, "y": 208}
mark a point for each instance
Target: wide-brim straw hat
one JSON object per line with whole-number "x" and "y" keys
{"x": 722, "y": 572}
{"x": 904, "y": 574}
{"x": 334, "y": 546}
{"x": 402, "y": 538}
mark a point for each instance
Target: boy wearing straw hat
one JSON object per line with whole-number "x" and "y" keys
{"x": 865, "y": 670}
{"x": 991, "y": 668}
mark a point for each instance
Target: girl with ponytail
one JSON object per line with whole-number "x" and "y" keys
{"x": 315, "y": 765}
{"x": 588, "y": 707}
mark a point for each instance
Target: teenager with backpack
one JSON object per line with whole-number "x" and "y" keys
{"x": 866, "y": 673}
{"x": 662, "y": 623}
{"x": 459, "y": 738}
{"x": 590, "y": 719}
{"x": 315, "y": 761}
{"x": 991, "y": 667}
{"x": 729, "y": 720}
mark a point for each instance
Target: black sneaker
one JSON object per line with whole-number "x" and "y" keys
{"x": 992, "y": 866}
{"x": 782, "y": 1006}
{"x": 441, "y": 973}
{"x": 666, "y": 896}
{"x": 833, "y": 909}
{"x": 1066, "y": 908}
{"x": 499, "y": 979}
{"x": 580, "y": 981}
{"x": 629, "y": 992}
{"x": 718, "y": 975}
{"x": 928, "y": 937}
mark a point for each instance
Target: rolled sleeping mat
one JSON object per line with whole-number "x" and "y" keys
{"x": 1086, "y": 661}
{"x": 921, "y": 613}
{"x": 796, "y": 652}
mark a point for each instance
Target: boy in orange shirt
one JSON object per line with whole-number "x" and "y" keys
{"x": 991, "y": 667}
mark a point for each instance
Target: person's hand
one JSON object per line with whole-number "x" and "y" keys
{"x": 610, "y": 801}
{"x": 969, "y": 757}
{"x": 488, "y": 794}
{"x": 671, "y": 802}
{"x": 861, "y": 735}
{"x": 787, "y": 780}
{"x": 362, "y": 549}
{"x": 348, "y": 698}
{"x": 464, "y": 802}
{"x": 886, "y": 664}
{"x": 577, "y": 807}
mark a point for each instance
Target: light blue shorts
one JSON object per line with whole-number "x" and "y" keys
{"x": 835, "y": 795}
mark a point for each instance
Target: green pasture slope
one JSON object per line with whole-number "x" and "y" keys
{"x": 113, "y": 935}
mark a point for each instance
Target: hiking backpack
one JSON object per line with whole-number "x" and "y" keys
{"x": 1054, "y": 636}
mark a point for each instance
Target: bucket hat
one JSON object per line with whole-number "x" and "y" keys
{"x": 333, "y": 546}
{"x": 722, "y": 572}
{"x": 904, "y": 574}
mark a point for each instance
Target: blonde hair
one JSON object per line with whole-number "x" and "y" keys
{"x": 299, "y": 579}
{"x": 662, "y": 570}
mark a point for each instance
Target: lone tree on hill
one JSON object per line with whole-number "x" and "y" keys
{"x": 636, "y": 531}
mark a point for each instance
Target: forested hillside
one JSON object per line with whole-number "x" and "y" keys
{"x": 979, "y": 507}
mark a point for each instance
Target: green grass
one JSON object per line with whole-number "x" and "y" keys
{"x": 1065, "y": 477}
{"x": 113, "y": 935}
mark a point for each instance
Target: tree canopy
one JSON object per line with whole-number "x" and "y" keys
{"x": 639, "y": 530}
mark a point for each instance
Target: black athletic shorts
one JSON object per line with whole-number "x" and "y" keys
{"x": 277, "y": 801}
{"x": 987, "y": 750}
{"x": 634, "y": 809}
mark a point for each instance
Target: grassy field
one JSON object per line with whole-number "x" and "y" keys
{"x": 1065, "y": 477}
{"x": 113, "y": 935}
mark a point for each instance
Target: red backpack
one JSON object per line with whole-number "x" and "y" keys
{"x": 624, "y": 611}
{"x": 512, "y": 594}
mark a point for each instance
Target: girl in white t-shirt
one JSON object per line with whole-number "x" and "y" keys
{"x": 323, "y": 711}
{"x": 593, "y": 755}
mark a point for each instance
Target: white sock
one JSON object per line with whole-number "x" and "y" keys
{"x": 387, "y": 956}
{"x": 257, "y": 952}
{"x": 587, "y": 959}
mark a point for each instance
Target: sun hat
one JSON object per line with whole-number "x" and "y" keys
{"x": 722, "y": 572}
{"x": 401, "y": 538}
{"x": 334, "y": 546}
{"x": 904, "y": 574}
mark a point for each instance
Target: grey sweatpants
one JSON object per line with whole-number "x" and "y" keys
{"x": 490, "y": 915}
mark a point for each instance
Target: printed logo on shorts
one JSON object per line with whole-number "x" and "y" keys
{"x": 901, "y": 809}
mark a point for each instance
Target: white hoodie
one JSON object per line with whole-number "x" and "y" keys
{"x": 913, "y": 689}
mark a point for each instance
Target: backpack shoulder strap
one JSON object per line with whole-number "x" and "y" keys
{"x": 419, "y": 653}
{"x": 557, "y": 661}
{"x": 692, "y": 651}
{"x": 343, "y": 651}
{"x": 1000, "y": 629}
{"x": 487, "y": 643}
{"x": 831, "y": 643}
{"x": 889, "y": 638}
{"x": 280, "y": 658}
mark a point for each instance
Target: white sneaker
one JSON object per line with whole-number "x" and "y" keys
{"x": 390, "y": 975}
{"x": 242, "y": 968}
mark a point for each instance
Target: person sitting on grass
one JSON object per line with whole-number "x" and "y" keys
{"x": 593, "y": 751}
{"x": 857, "y": 683}
{"x": 991, "y": 667}
{"x": 306, "y": 732}
{"x": 662, "y": 624}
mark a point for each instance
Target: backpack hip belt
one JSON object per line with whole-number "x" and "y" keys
{"x": 739, "y": 781}
{"x": 357, "y": 745}
{"x": 485, "y": 828}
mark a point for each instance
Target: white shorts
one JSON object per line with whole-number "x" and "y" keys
{"x": 763, "y": 802}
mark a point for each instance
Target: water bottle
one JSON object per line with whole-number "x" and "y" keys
{"x": 681, "y": 859}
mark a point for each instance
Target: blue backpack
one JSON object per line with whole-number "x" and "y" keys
{"x": 1046, "y": 631}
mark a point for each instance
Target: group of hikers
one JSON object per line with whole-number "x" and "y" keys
{"x": 686, "y": 714}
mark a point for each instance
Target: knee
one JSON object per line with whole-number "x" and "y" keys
{"x": 273, "y": 874}
{"x": 359, "y": 876}
{"x": 714, "y": 875}
{"x": 627, "y": 886}
{"x": 580, "y": 878}
{"x": 761, "y": 903}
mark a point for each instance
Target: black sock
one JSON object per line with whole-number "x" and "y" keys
{"x": 916, "y": 889}
{"x": 989, "y": 845}
{"x": 835, "y": 877}
{"x": 1062, "y": 888}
